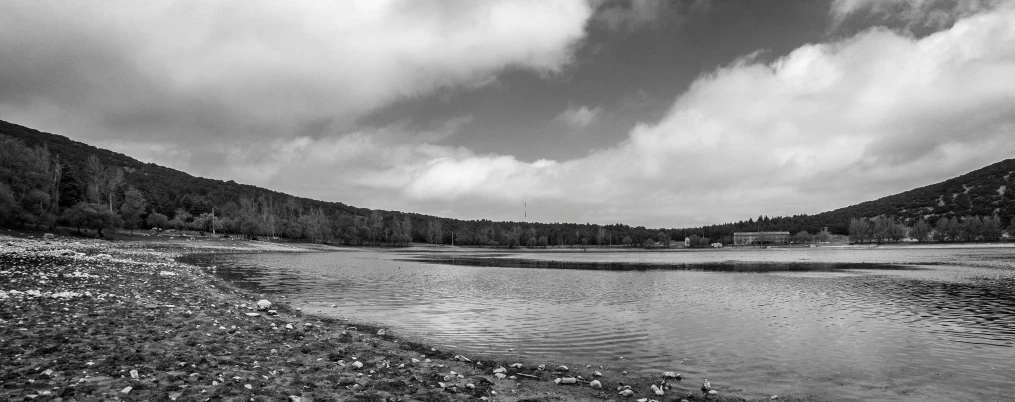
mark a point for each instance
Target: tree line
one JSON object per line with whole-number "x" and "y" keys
{"x": 881, "y": 229}
{"x": 101, "y": 190}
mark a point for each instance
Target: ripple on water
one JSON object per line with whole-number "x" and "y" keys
{"x": 902, "y": 325}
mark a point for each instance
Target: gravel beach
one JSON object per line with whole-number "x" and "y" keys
{"x": 94, "y": 320}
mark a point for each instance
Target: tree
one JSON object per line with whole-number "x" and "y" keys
{"x": 133, "y": 206}
{"x": 157, "y": 221}
{"x": 8, "y": 207}
{"x": 91, "y": 215}
{"x": 542, "y": 241}
{"x": 859, "y": 230}
{"x": 206, "y": 222}
{"x": 992, "y": 228}
{"x": 802, "y": 237}
{"x": 102, "y": 181}
{"x": 181, "y": 219}
{"x": 920, "y": 230}
{"x": 941, "y": 229}
{"x": 627, "y": 241}
{"x": 664, "y": 239}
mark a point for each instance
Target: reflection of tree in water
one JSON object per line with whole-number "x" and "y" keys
{"x": 726, "y": 266}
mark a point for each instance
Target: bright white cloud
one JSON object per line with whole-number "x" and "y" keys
{"x": 579, "y": 117}
{"x": 189, "y": 68}
{"x": 826, "y": 126}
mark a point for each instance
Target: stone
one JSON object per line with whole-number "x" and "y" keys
{"x": 568, "y": 380}
{"x": 500, "y": 376}
{"x": 252, "y": 314}
{"x": 470, "y": 386}
{"x": 294, "y": 398}
{"x": 499, "y": 370}
{"x": 357, "y": 365}
{"x": 516, "y": 366}
{"x": 263, "y": 305}
{"x": 288, "y": 326}
{"x": 595, "y": 384}
{"x": 670, "y": 374}
{"x": 248, "y": 386}
{"x": 133, "y": 374}
{"x": 597, "y": 374}
{"x": 713, "y": 392}
{"x": 126, "y": 390}
{"x": 562, "y": 368}
{"x": 626, "y": 392}
{"x": 381, "y": 332}
{"x": 658, "y": 391}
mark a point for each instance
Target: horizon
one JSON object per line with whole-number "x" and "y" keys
{"x": 641, "y": 113}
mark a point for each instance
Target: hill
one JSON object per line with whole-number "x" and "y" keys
{"x": 984, "y": 192}
{"x": 47, "y": 175}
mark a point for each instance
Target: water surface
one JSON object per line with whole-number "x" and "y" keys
{"x": 838, "y": 324}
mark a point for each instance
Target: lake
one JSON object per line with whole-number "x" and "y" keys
{"x": 904, "y": 323}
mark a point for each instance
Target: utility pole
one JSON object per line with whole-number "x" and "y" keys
{"x": 213, "y": 221}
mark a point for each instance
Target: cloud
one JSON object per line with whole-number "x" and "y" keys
{"x": 826, "y": 126}
{"x": 579, "y": 117}
{"x": 629, "y": 14}
{"x": 937, "y": 14}
{"x": 259, "y": 70}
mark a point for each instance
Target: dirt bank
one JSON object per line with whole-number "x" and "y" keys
{"x": 84, "y": 319}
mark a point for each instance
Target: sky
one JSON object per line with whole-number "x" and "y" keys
{"x": 642, "y": 112}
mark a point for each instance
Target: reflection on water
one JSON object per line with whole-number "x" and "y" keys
{"x": 901, "y": 325}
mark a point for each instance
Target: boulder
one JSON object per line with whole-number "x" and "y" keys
{"x": 595, "y": 384}
{"x": 263, "y": 305}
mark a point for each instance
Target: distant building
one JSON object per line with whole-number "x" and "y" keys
{"x": 760, "y": 238}
{"x": 717, "y": 245}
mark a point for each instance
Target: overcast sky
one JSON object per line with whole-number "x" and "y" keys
{"x": 654, "y": 113}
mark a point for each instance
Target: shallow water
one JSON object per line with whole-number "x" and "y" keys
{"x": 837, "y": 324}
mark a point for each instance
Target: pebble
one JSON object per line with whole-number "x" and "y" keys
{"x": 263, "y": 305}
{"x": 595, "y": 384}
{"x": 126, "y": 390}
{"x": 626, "y": 392}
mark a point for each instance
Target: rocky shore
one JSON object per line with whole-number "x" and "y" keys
{"x": 96, "y": 320}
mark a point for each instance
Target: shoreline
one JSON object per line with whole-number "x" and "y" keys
{"x": 107, "y": 320}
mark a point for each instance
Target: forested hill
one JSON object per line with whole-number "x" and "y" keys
{"x": 48, "y": 179}
{"x": 987, "y": 191}
{"x": 166, "y": 189}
